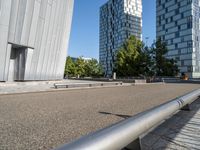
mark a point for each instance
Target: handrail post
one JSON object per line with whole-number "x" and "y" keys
{"x": 135, "y": 145}
{"x": 186, "y": 107}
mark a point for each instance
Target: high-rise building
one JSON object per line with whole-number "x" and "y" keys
{"x": 178, "y": 26}
{"x": 34, "y": 38}
{"x": 118, "y": 20}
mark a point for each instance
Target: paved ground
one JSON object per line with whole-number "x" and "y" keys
{"x": 48, "y": 119}
{"x": 181, "y": 132}
{"x": 24, "y": 87}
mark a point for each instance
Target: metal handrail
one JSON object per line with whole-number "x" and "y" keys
{"x": 120, "y": 135}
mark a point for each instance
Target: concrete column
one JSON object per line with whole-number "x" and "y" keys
{"x": 7, "y": 62}
{"x": 29, "y": 55}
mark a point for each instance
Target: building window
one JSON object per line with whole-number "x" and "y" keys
{"x": 189, "y": 1}
{"x": 189, "y": 22}
{"x": 182, "y": 63}
{"x": 182, "y": 15}
{"x": 177, "y": 11}
{"x": 182, "y": 39}
{"x": 176, "y": 34}
{"x": 177, "y": 58}
{"x": 176, "y": 46}
{"x": 189, "y": 44}
{"x": 159, "y": 2}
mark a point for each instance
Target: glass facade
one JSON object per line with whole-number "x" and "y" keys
{"x": 178, "y": 26}
{"x": 118, "y": 20}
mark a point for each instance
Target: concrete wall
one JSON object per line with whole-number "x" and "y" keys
{"x": 42, "y": 28}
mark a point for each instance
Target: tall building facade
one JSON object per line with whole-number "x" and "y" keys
{"x": 118, "y": 20}
{"x": 178, "y": 26}
{"x": 34, "y": 38}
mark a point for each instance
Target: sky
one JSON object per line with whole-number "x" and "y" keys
{"x": 84, "y": 39}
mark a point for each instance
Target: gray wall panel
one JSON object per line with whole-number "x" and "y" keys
{"x": 20, "y": 21}
{"x": 43, "y": 8}
{"x": 62, "y": 27}
{"x": 13, "y": 20}
{"x": 37, "y": 46}
{"x": 28, "y": 63}
{"x": 55, "y": 7}
{"x": 49, "y": 42}
{"x": 7, "y": 62}
{"x": 3, "y": 45}
{"x": 5, "y": 12}
{"x": 54, "y": 46}
{"x": 43, "y": 51}
{"x": 38, "y": 41}
{"x": 65, "y": 40}
{"x": 4, "y": 27}
{"x": 54, "y": 41}
{"x": 27, "y": 22}
{"x": 39, "y": 31}
{"x": 34, "y": 23}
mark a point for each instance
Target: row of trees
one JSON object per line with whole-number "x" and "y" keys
{"x": 134, "y": 59}
{"x": 82, "y": 68}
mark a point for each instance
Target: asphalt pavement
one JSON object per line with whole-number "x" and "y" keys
{"x": 45, "y": 120}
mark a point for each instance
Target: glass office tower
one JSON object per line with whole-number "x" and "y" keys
{"x": 178, "y": 26}
{"x": 118, "y": 20}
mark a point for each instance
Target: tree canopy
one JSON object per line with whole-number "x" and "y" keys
{"x": 70, "y": 68}
{"x": 82, "y": 68}
{"x": 132, "y": 59}
{"x": 163, "y": 65}
{"x": 136, "y": 59}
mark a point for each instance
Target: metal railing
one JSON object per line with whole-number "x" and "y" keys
{"x": 126, "y": 133}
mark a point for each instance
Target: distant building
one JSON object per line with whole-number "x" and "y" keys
{"x": 178, "y": 26}
{"x": 34, "y": 38}
{"x": 118, "y": 20}
{"x": 84, "y": 58}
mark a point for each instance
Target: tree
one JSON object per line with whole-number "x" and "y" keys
{"x": 170, "y": 69}
{"x": 134, "y": 59}
{"x": 149, "y": 65}
{"x": 163, "y": 66}
{"x": 93, "y": 68}
{"x": 70, "y": 68}
{"x": 83, "y": 68}
{"x": 80, "y": 67}
{"x": 130, "y": 59}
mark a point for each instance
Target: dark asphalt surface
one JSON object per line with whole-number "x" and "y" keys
{"x": 46, "y": 120}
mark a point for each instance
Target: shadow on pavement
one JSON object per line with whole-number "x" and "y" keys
{"x": 182, "y": 81}
{"x": 180, "y": 132}
{"x": 118, "y": 115}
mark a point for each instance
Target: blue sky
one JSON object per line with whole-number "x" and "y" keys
{"x": 84, "y": 39}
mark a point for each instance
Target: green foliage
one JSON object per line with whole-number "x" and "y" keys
{"x": 134, "y": 59}
{"x": 130, "y": 59}
{"x": 148, "y": 62}
{"x": 70, "y": 68}
{"x": 163, "y": 66}
{"x": 83, "y": 68}
{"x": 170, "y": 68}
{"x": 80, "y": 67}
{"x": 93, "y": 68}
